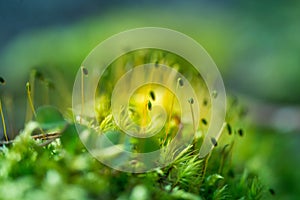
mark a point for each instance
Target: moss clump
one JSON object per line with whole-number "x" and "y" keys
{"x": 47, "y": 159}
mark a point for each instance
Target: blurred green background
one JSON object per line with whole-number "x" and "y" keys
{"x": 255, "y": 44}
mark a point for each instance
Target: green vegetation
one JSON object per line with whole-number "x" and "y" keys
{"x": 47, "y": 158}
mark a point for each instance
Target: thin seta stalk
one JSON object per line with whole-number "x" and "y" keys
{"x": 191, "y": 102}
{"x": 30, "y": 99}
{"x": 214, "y": 142}
{"x": 3, "y": 122}
{"x": 30, "y": 86}
{"x": 204, "y": 168}
{"x": 84, "y": 72}
{"x": 2, "y": 82}
{"x": 179, "y": 83}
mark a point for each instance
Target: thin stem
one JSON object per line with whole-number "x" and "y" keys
{"x": 204, "y": 167}
{"x": 8, "y": 102}
{"x": 84, "y": 72}
{"x": 193, "y": 118}
{"x": 225, "y": 155}
{"x": 30, "y": 101}
{"x": 3, "y": 122}
{"x": 32, "y": 83}
{"x": 30, "y": 86}
{"x": 171, "y": 111}
{"x": 82, "y": 96}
